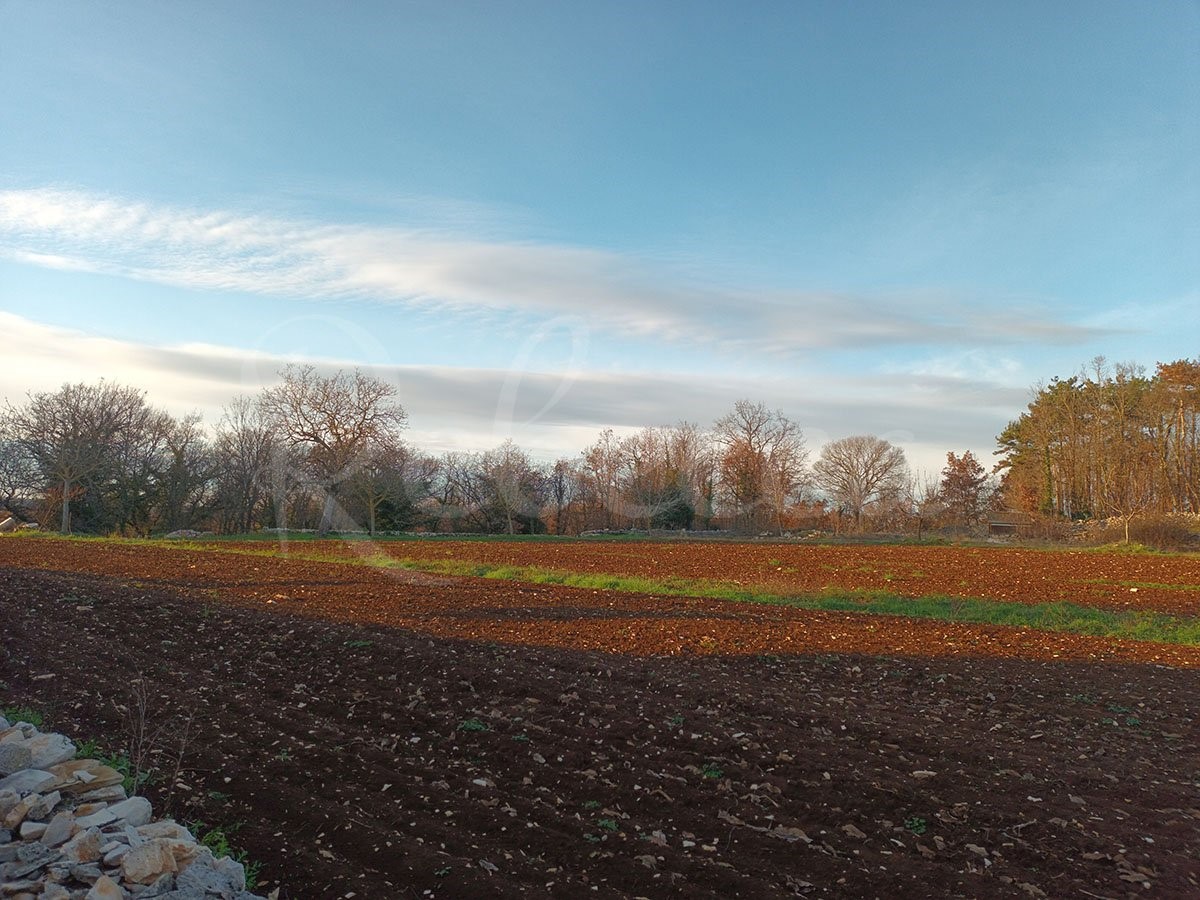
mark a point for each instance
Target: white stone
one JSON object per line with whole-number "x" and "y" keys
{"x": 136, "y": 811}
{"x": 50, "y": 749}
{"x": 84, "y": 847}
{"x": 114, "y": 856}
{"x": 165, "y": 828}
{"x": 18, "y": 731}
{"x": 89, "y": 872}
{"x": 41, "y": 811}
{"x": 144, "y": 864}
{"x": 14, "y": 756}
{"x": 205, "y": 880}
{"x": 31, "y": 831}
{"x": 232, "y": 870}
{"x": 97, "y": 820}
{"x": 17, "y": 814}
{"x": 26, "y": 781}
{"x": 60, "y": 830}
{"x": 8, "y": 799}
{"x": 106, "y": 889}
{"x": 110, "y": 794}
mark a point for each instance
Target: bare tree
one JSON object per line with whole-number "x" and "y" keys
{"x": 460, "y": 497}
{"x": 187, "y": 483}
{"x": 860, "y": 470}
{"x": 690, "y": 453}
{"x": 925, "y": 500}
{"x": 244, "y": 447}
{"x": 762, "y": 463}
{"x": 663, "y": 471}
{"x": 601, "y": 481}
{"x": 562, "y": 484}
{"x": 514, "y": 488}
{"x": 501, "y": 490}
{"x": 658, "y": 477}
{"x": 390, "y": 484}
{"x": 18, "y": 475}
{"x": 131, "y": 481}
{"x": 332, "y": 423}
{"x": 73, "y": 433}
{"x": 654, "y": 490}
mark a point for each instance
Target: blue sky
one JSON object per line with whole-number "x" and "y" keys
{"x": 542, "y": 219}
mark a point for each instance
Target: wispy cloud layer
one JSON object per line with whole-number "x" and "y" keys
{"x": 473, "y": 408}
{"x": 225, "y": 251}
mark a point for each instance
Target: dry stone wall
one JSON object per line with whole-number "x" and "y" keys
{"x": 68, "y": 831}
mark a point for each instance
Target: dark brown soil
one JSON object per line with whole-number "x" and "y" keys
{"x": 444, "y": 737}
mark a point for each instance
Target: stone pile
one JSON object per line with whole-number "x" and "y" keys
{"x": 68, "y": 831}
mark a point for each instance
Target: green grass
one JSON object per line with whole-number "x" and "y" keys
{"x": 1143, "y": 625}
{"x": 16, "y": 714}
{"x": 89, "y": 749}
{"x": 217, "y": 839}
{"x": 916, "y": 825}
{"x": 131, "y": 779}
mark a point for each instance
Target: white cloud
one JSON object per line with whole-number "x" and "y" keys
{"x": 548, "y": 413}
{"x": 224, "y": 251}
{"x": 973, "y": 364}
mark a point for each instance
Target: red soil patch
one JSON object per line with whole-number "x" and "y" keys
{"x": 1113, "y": 581}
{"x": 420, "y": 736}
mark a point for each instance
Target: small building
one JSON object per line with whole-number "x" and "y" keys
{"x": 1009, "y": 523}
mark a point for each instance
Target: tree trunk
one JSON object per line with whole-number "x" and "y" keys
{"x": 327, "y": 515}
{"x": 66, "y": 507}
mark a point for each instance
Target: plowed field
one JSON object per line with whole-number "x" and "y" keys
{"x": 1112, "y": 581}
{"x": 392, "y": 734}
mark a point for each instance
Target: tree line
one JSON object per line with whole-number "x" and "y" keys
{"x": 1108, "y": 442}
{"x": 326, "y": 452}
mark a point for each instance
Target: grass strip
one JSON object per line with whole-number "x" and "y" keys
{"x": 1142, "y": 625}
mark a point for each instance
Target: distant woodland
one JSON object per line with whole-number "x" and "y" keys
{"x": 327, "y": 452}
{"x": 1108, "y": 442}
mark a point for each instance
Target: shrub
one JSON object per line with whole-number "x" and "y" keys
{"x": 1158, "y": 532}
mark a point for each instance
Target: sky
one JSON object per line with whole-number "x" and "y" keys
{"x": 539, "y": 220}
